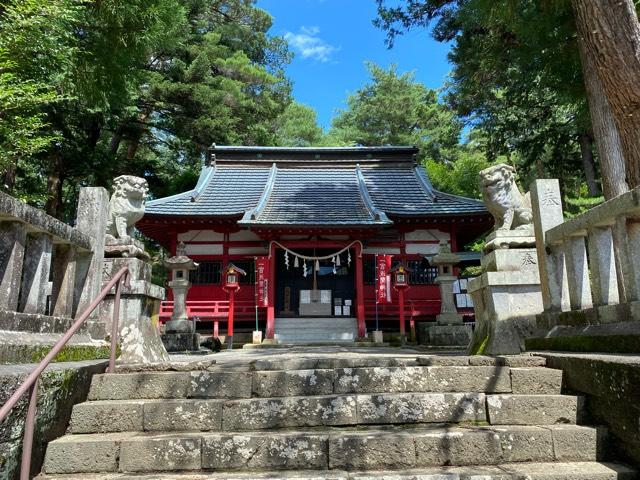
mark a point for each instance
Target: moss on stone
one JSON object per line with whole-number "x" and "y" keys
{"x": 72, "y": 353}
{"x": 479, "y": 349}
{"x": 583, "y": 343}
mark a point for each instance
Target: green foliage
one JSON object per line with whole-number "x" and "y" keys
{"x": 298, "y": 127}
{"x": 461, "y": 176}
{"x": 516, "y": 77}
{"x": 92, "y": 90}
{"x": 394, "y": 109}
{"x": 36, "y": 43}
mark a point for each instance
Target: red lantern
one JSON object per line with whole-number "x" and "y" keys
{"x": 231, "y": 284}
{"x": 401, "y": 283}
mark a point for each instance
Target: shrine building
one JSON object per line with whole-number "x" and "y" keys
{"x": 316, "y": 218}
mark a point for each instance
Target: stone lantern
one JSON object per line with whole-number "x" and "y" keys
{"x": 449, "y": 329}
{"x": 180, "y": 331}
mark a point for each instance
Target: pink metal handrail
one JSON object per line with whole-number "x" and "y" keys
{"x": 31, "y": 383}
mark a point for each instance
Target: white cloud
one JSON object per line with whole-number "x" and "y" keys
{"x": 308, "y": 44}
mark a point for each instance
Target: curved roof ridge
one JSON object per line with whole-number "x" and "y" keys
{"x": 375, "y": 212}
{"x": 252, "y": 214}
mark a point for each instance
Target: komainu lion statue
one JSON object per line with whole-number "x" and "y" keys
{"x": 502, "y": 197}
{"x": 126, "y": 206}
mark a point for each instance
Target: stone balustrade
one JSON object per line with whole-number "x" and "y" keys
{"x": 589, "y": 265}
{"x": 46, "y": 266}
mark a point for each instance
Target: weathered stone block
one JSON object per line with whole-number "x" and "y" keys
{"x": 522, "y": 361}
{"x": 536, "y": 381}
{"x": 221, "y": 384}
{"x": 578, "y": 444}
{"x": 382, "y": 379}
{"x": 457, "y": 447}
{"x": 443, "y": 360}
{"x": 181, "y": 342}
{"x": 532, "y": 409}
{"x": 89, "y": 453}
{"x": 124, "y": 386}
{"x": 162, "y": 452}
{"x": 176, "y": 415}
{"x": 292, "y": 383}
{"x": 470, "y": 379}
{"x": 421, "y": 408}
{"x": 288, "y": 412}
{"x": 524, "y": 444}
{"x": 289, "y": 451}
{"x": 449, "y": 335}
{"x": 372, "y": 451}
{"x": 107, "y": 416}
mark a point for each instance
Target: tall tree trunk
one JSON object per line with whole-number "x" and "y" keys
{"x": 9, "y": 176}
{"x": 612, "y": 165}
{"x": 588, "y": 165}
{"x": 53, "y": 206}
{"x": 610, "y": 32}
{"x": 114, "y": 144}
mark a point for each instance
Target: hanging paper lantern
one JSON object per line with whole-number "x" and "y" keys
{"x": 296, "y": 264}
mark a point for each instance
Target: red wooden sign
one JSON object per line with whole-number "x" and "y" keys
{"x": 262, "y": 281}
{"x": 383, "y": 285}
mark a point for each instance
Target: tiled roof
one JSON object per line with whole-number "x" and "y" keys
{"x": 335, "y": 186}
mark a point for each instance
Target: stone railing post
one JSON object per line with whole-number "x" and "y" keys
{"x": 632, "y": 241}
{"x": 13, "y": 237}
{"x": 35, "y": 275}
{"x": 575, "y": 252}
{"x": 63, "y": 282}
{"x": 93, "y": 210}
{"x": 546, "y": 204}
{"x": 604, "y": 279}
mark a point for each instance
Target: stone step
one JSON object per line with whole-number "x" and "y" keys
{"x": 397, "y": 360}
{"x": 323, "y": 410}
{"x": 332, "y": 449}
{"x": 512, "y": 471}
{"x": 29, "y": 347}
{"x": 324, "y": 381}
{"x": 316, "y": 330}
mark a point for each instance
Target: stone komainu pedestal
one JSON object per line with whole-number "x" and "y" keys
{"x": 139, "y": 336}
{"x": 507, "y": 295}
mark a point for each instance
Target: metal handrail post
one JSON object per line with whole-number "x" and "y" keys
{"x": 31, "y": 382}
{"x": 115, "y": 321}
{"x": 29, "y": 427}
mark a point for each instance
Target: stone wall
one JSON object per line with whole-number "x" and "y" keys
{"x": 61, "y": 386}
{"x": 611, "y": 384}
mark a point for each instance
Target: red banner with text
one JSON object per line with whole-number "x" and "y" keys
{"x": 262, "y": 281}
{"x": 383, "y": 284}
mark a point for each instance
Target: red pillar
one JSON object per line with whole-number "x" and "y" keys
{"x": 232, "y": 307}
{"x": 359, "y": 291}
{"x": 271, "y": 309}
{"x": 403, "y": 334}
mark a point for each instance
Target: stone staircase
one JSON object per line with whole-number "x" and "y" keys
{"x": 316, "y": 330}
{"x": 365, "y": 418}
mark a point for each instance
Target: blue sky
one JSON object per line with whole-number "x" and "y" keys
{"x": 332, "y": 39}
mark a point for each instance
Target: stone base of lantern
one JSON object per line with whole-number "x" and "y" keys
{"x": 181, "y": 342}
{"x": 449, "y": 335}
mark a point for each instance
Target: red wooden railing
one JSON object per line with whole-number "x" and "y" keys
{"x": 31, "y": 382}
